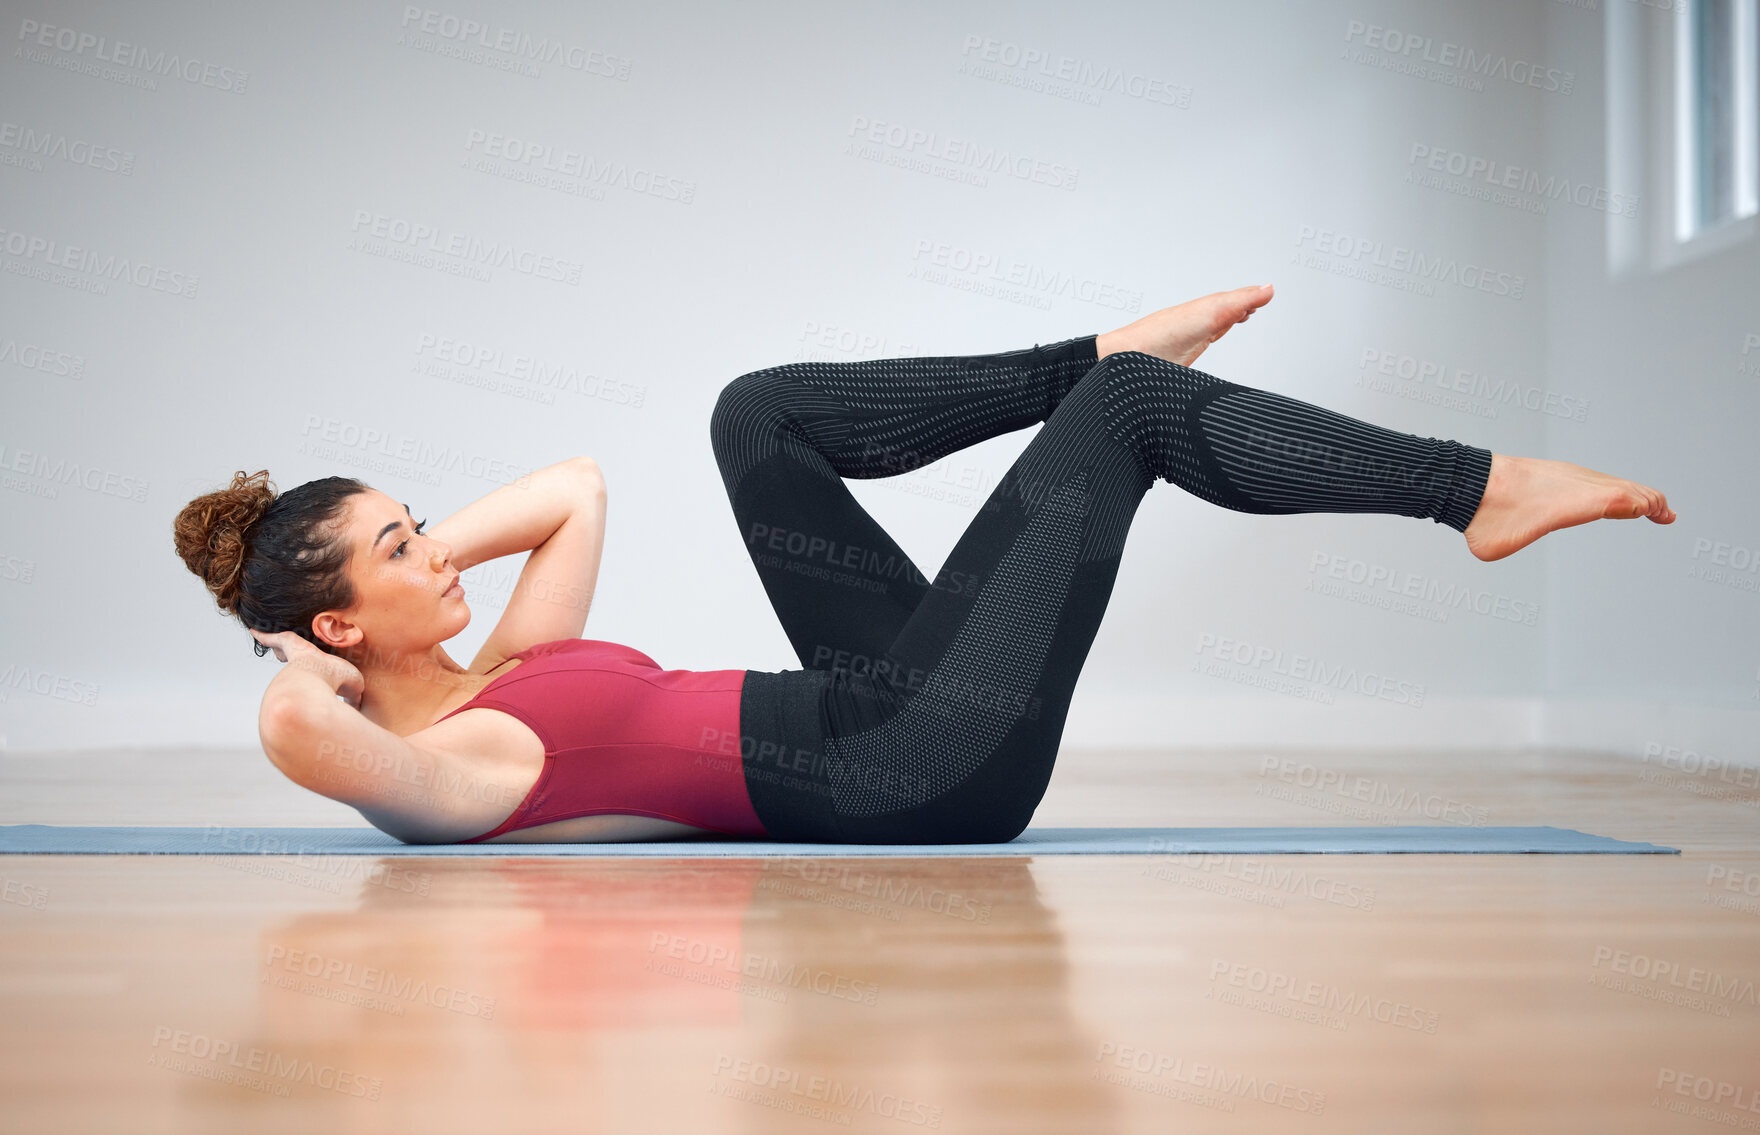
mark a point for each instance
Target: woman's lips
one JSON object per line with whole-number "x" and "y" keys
{"x": 455, "y": 589}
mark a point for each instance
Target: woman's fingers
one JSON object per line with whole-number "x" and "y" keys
{"x": 273, "y": 642}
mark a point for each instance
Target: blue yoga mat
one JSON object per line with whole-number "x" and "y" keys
{"x": 46, "y": 839}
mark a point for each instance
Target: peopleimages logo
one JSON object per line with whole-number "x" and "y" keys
{"x": 1695, "y": 763}
{"x": 1374, "y": 794}
{"x": 1081, "y": 75}
{"x": 35, "y": 143}
{"x": 106, "y": 50}
{"x": 1331, "y": 1005}
{"x": 1498, "y": 392}
{"x": 1668, "y": 981}
{"x": 1222, "y": 651}
{"x": 37, "y": 357}
{"x": 1458, "y": 57}
{"x": 44, "y": 252}
{"x": 1705, "y": 1089}
{"x": 1200, "y": 1074}
{"x": 1502, "y": 175}
{"x": 1385, "y": 586}
{"x": 434, "y": 241}
{"x": 461, "y": 32}
{"x": 70, "y": 472}
{"x": 875, "y": 139}
{"x": 777, "y": 972}
{"x": 1401, "y": 258}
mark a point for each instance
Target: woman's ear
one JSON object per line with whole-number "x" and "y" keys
{"x": 334, "y": 631}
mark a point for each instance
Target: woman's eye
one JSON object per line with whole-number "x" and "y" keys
{"x": 398, "y": 551}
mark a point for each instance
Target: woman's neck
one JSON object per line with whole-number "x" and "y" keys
{"x": 416, "y": 689}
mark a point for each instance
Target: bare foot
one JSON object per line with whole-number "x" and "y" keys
{"x": 1179, "y": 334}
{"x": 1527, "y": 497}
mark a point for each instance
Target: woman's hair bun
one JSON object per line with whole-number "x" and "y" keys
{"x": 213, "y": 533}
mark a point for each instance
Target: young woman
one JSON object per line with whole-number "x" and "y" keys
{"x": 928, "y": 711}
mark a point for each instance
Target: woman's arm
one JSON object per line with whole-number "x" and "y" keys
{"x": 311, "y": 676}
{"x": 559, "y": 514}
{"x": 405, "y": 790}
{"x": 519, "y": 516}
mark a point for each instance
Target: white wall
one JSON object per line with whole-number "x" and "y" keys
{"x": 1654, "y": 641}
{"x": 1241, "y": 143}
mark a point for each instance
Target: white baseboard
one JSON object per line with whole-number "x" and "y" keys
{"x": 1631, "y": 728}
{"x": 1639, "y": 728}
{"x": 128, "y": 719}
{"x": 1097, "y": 720}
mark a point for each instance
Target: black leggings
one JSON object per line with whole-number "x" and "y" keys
{"x": 930, "y": 711}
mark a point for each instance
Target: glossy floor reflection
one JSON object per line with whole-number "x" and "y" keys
{"x": 1059, "y": 994}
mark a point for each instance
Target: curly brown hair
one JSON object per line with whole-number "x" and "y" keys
{"x": 271, "y": 560}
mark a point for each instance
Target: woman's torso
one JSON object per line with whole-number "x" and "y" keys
{"x": 500, "y": 759}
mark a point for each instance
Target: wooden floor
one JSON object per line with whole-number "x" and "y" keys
{"x": 1337, "y": 993}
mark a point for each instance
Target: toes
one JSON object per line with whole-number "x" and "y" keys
{"x": 1649, "y": 502}
{"x": 1658, "y": 505}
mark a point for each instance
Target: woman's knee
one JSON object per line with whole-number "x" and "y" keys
{"x": 974, "y": 815}
{"x": 994, "y": 817}
{"x": 978, "y": 827}
{"x": 744, "y": 404}
{"x": 1001, "y": 826}
{"x": 1137, "y": 369}
{"x": 752, "y": 416}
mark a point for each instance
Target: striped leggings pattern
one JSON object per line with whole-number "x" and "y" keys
{"x": 929, "y": 710}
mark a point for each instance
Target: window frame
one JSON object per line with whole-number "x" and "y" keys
{"x": 1650, "y": 136}
{"x": 1689, "y": 164}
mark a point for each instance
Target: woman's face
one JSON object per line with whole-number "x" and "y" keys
{"x": 401, "y": 583}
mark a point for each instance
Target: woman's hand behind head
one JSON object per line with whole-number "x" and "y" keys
{"x": 339, "y": 673}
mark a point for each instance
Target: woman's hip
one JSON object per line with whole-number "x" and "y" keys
{"x": 831, "y": 756}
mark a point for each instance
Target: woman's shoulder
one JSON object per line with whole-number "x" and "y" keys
{"x": 494, "y": 665}
{"x": 596, "y": 646}
{"x": 553, "y": 646}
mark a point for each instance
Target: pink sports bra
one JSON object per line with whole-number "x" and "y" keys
{"x": 622, "y": 736}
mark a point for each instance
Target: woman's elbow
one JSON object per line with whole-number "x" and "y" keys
{"x": 589, "y": 472}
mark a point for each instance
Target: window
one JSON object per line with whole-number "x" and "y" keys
{"x": 1682, "y": 130}
{"x": 1717, "y": 114}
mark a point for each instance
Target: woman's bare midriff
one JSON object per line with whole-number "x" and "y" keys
{"x": 503, "y": 758}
